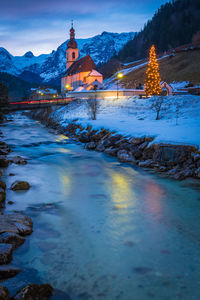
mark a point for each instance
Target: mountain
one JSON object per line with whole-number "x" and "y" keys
{"x": 175, "y": 23}
{"x": 49, "y": 67}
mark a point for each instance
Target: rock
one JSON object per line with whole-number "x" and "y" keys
{"x": 143, "y": 146}
{"x": 16, "y": 223}
{"x": 197, "y": 173}
{"x": 3, "y": 185}
{"x": 111, "y": 151}
{"x": 100, "y": 147}
{"x": 11, "y": 174}
{"x": 172, "y": 154}
{"x": 2, "y": 196}
{"x": 34, "y": 292}
{"x": 174, "y": 171}
{"x": 84, "y": 138}
{"x": 8, "y": 271}
{"x": 10, "y": 202}
{"x": 136, "y": 141}
{"x": 12, "y": 238}
{"x": 125, "y": 156}
{"x": 195, "y": 156}
{"x": 20, "y": 185}
{"x": 18, "y": 160}
{"x": 90, "y": 145}
{"x": 3, "y": 162}
{"x": 137, "y": 153}
{"x": 4, "y": 293}
{"x": 148, "y": 164}
{"x": 5, "y": 253}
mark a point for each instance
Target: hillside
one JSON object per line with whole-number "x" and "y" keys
{"x": 174, "y": 24}
{"x": 18, "y": 88}
{"x": 181, "y": 66}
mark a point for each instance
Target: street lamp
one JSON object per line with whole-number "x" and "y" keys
{"x": 67, "y": 86}
{"x": 119, "y": 76}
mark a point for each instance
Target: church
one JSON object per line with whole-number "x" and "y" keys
{"x": 81, "y": 74}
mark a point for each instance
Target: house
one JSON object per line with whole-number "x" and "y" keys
{"x": 79, "y": 72}
{"x": 42, "y": 93}
{"x": 166, "y": 88}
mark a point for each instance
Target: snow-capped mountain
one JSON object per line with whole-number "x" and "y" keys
{"x": 50, "y": 66}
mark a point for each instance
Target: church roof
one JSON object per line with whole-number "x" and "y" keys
{"x": 84, "y": 64}
{"x": 95, "y": 73}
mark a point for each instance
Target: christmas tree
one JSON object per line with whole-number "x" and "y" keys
{"x": 152, "y": 82}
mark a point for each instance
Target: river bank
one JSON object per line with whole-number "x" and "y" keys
{"x": 170, "y": 160}
{"x": 102, "y": 229}
{"x": 14, "y": 227}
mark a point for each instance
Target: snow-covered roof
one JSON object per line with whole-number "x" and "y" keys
{"x": 95, "y": 73}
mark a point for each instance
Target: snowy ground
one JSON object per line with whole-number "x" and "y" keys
{"x": 135, "y": 117}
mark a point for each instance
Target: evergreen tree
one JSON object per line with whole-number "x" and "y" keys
{"x": 152, "y": 82}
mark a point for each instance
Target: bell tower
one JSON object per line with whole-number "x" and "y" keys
{"x": 72, "y": 53}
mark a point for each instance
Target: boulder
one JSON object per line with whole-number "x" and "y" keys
{"x": 3, "y": 162}
{"x": 197, "y": 173}
{"x": 3, "y": 185}
{"x": 136, "y": 141}
{"x": 8, "y": 271}
{"x": 84, "y": 138}
{"x": 136, "y": 153}
{"x": 12, "y": 238}
{"x": 18, "y": 160}
{"x": 2, "y": 197}
{"x": 90, "y": 145}
{"x": 143, "y": 146}
{"x": 172, "y": 154}
{"x": 16, "y": 223}
{"x": 5, "y": 253}
{"x": 34, "y": 292}
{"x": 4, "y": 293}
{"x": 195, "y": 156}
{"x": 20, "y": 185}
{"x": 125, "y": 156}
{"x": 148, "y": 164}
{"x": 111, "y": 151}
{"x": 100, "y": 147}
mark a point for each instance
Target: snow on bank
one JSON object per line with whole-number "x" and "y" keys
{"x": 135, "y": 117}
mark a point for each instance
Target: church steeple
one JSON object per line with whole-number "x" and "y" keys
{"x": 72, "y": 43}
{"x": 72, "y": 50}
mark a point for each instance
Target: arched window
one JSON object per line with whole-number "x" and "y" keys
{"x": 73, "y": 55}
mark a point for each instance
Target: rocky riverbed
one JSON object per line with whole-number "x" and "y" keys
{"x": 14, "y": 227}
{"x": 173, "y": 161}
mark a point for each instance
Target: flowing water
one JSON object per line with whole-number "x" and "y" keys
{"x": 102, "y": 229}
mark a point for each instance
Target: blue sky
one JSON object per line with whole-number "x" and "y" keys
{"x": 42, "y": 25}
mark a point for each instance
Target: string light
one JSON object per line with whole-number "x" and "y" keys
{"x": 152, "y": 82}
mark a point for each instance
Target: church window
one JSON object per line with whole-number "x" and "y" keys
{"x": 73, "y": 55}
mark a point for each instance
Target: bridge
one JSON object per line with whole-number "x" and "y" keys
{"x": 37, "y": 104}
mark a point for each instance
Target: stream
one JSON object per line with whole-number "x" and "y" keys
{"x": 102, "y": 229}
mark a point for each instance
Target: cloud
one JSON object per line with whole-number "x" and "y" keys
{"x": 42, "y": 25}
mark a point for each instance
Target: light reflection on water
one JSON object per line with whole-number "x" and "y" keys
{"x": 102, "y": 230}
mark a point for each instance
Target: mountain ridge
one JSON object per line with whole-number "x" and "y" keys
{"x": 49, "y": 67}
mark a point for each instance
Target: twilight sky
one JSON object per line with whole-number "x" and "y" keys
{"x": 42, "y": 25}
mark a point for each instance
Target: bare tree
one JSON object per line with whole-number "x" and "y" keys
{"x": 158, "y": 105}
{"x": 93, "y": 105}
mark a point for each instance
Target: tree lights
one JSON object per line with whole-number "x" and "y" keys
{"x": 152, "y": 82}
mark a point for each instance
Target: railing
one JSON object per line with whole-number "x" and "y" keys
{"x": 35, "y": 104}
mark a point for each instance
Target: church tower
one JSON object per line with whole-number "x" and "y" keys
{"x": 72, "y": 50}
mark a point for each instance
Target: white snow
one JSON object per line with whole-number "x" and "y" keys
{"x": 176, "y": 86}
{"x": 135, "y": 117}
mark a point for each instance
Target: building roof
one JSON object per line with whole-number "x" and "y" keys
{"x": 95, "y": 73}
{"x": 84, "y": 64}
